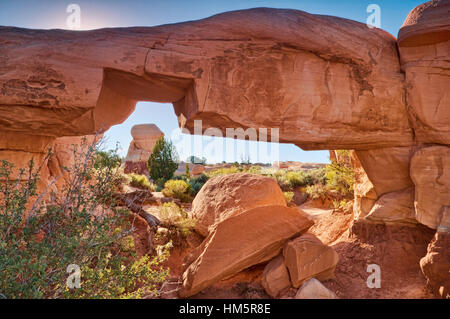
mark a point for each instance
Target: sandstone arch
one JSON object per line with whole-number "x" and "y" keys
{"x": 349, "y": 88}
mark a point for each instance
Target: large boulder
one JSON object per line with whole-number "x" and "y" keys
{"x": 436, "y": 264}
{"x": 430, "y": 171}
{"x": 198, "y": 169}
{"x": 313, "y": 289}
{"x": 424, "y": 45}
{"x": 275, "y": 277}
{"x": 394, "y": 208}
{"x": 240, "y": 241}
{"x": 228, "y": 195}
{"x": 141, "y": 147}
{"x": 307, "y": 257}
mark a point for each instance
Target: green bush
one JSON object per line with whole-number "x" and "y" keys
{"x": 178, "y": 189}
{"x": 225, "y": 171}
{"x": 289, "y": 196}
{"x": 174, "y": 217}
{"x": 340, "y": 176}
{"x": 317, "y": 191}
{"x": 80, "y": 225}
{"x": 107, "y": 159}
{"x": 141, "y": 181}
{"x": 198, "y": 182}
{"x": 163, "y": 162}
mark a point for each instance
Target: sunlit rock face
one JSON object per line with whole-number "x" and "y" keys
{"x": 141, "y": 147}
{"x": 325, "y": 82}
{"x": 250, "y": 68}
{"x": 424, "y": 45}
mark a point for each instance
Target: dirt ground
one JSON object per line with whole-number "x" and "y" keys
{"x": 396, "y": 249}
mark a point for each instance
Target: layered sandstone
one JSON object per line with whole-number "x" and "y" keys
{"x": 424, "y": 45}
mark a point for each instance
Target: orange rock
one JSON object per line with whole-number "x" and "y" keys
{"x": 198, "y": 169}
{"x": 240, "y": 241}
{"x": 228, "y": 195}
{"x": 430, "y": 171}
{"x": 275, "y": 277}
{"x": 340, "y": 90}
{"x": 436, "y": 264}
{"x": 307, "y": 257}
{"x": 144, "y": 139}
{"x": 424, "y": 45}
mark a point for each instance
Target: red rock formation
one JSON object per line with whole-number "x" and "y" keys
{"x": 228, "y": 195}
{"x": 349, "y": 88}
{"x": 141, "y": 147}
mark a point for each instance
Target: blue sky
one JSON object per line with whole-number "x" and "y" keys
{"x": 49, "y": 14}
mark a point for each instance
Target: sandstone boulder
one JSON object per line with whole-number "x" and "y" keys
{"x": 275, "y": 277}
{"x": 228, "y": 195}
{"x": 307, "y": 257}
{"x": 141, "y": 147}
{"x": 395, "y": 207}
{"x": 313, "y": 289}
{"x": 424, "y": 46}
{"x": 430, "y": 171}
{"x": 436, "y": 264}
{"x": 240, "y": 241}
{"x": 198, "y": 169}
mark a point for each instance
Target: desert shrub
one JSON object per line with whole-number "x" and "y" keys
{"x": 340, "y": 176}
{"x": 198, "y": 182}
{"x": 318, "y": 176}
{"x": 141, "y": 181}
{"x": 163, "y": 162}
{"x": 175, "y": 218}
{"x": 107, "y": 159}
{"x": 289, "y": 196}
{"x": 225, "y": 171}
{"x": 77, "y": 225}
{"x": 178, "y": 189}
{"x": 317, "y": 191}
{"x": 254, "y": 169}
{"x": 186, "y": 170}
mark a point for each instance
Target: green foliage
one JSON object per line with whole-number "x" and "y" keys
{"x": 163, "y": 162}
{"x": 289, "y": 196}
{"x": 187, "y": 172}
{"x": 198, "y": 182}
{"x": 79, "y": 224}
{"x": 317, "y": 191}
{"x": 175, "y": 218}
{"x": 141, "y": 181}
{"x": 225, "y": 171}
{"x": 178, "y": 189}
{"x": 340, "y": 176}
{"x": 107, "y": 159}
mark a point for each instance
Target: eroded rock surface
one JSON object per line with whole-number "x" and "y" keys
{"x": 275, "y": 277}
{"x": 307, "y": 257}
{"x": 430, "y": 171}
{"x": 240, "y": 241}
{"x": 228, "y": 195}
